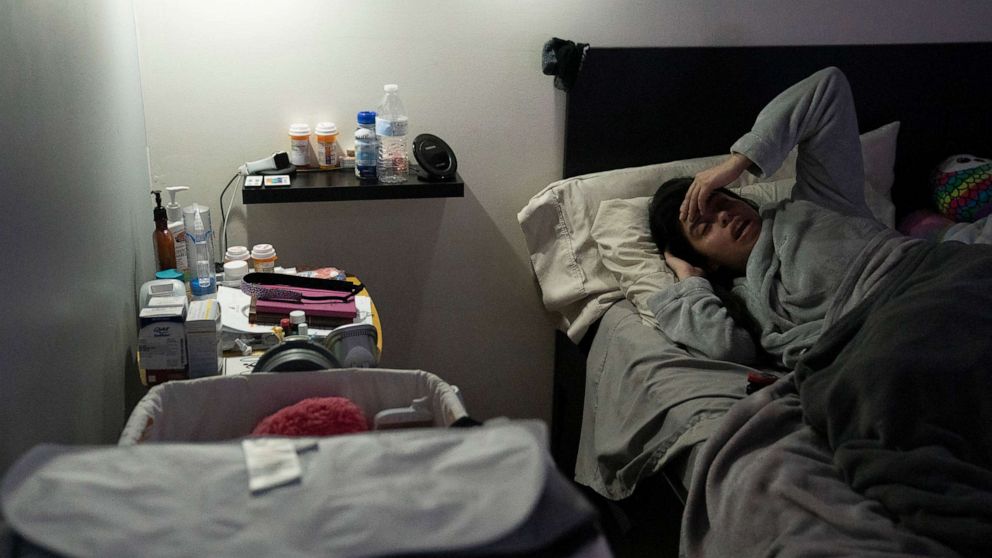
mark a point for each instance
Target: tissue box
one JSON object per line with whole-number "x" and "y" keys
{"x": 203, "y": 338}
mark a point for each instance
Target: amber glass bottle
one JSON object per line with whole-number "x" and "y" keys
{"x": 165, "y": 247}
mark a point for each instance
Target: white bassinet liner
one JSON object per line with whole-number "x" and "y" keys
{"x": 227, "y": 407}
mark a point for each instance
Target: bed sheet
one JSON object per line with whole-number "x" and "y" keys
{"x": 765, "y": 484}
{"x": 648, "y": 402}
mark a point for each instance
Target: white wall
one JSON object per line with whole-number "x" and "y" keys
{"x": 76, "y": 220}
{"x": 223, "y": 79}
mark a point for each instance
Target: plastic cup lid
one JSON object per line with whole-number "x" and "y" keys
{"x": 299, "y": 129}
{"x": 326, "y": 128}
{"x": 169, "y": 274}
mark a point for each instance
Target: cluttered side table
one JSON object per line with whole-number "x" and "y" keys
{"x": 238, "y": 306}
{"x": 242, "y": 342}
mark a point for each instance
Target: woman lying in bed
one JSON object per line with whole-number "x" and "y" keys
{"x": 797, "y": 265}
{"x": 889, "y": 336}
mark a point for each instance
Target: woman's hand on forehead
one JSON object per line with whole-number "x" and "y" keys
{"x": 707, "y": 181}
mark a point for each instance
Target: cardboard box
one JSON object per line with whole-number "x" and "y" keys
{"x": 162, "y": 343}
{"x": 203, "y": 338}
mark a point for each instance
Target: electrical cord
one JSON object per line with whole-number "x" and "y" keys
{"x": 224, "y": 216}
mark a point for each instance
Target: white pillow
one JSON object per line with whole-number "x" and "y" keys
{"x": 878, "y": 148}
{"x": 557, "y": 222}
{"x": 623, "y": 236}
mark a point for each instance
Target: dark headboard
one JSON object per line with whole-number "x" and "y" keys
{"x": 637, "y": 106}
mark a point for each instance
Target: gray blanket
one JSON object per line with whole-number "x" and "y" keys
{"x": 901, "y": 387}
{"x": 765, "y": 485}
{"x": 887, "y": 449}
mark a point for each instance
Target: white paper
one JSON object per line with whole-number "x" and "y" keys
{"x": 271, "y": 462}
{"x": 234, "y": 311}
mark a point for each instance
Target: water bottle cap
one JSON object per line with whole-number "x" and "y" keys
{"x": 390, "y": 88}
{"x": 299, "y": 129}
{"x": 326, "y": 129}
{"x": 366, "y": 117}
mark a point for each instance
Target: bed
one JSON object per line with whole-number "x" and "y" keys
{"x": 633, "y": 412}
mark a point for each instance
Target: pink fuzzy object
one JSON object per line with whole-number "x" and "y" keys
{"x": 317, "y": 416}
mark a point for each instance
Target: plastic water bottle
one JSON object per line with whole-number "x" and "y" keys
{"x": 365, "y": 154}
{"x": 200, "y": 251}
{"x": 393, "y": 162}
{"x": 366, "y": 146}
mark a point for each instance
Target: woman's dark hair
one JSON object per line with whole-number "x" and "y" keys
{"x": 667, "y": 233}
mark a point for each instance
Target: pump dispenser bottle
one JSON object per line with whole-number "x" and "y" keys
{"x": 178, "y": 230}
{"x": 165, "y": 250}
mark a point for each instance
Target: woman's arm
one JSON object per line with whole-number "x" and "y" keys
{"x": 818, "y": 115}
{"x": 691, "y": 314}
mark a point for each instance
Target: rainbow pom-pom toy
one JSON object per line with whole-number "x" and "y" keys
{"x": 962, "y": 188}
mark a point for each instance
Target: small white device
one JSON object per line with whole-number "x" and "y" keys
{"x": 276, "y": 161}
{"x": 161, "y": 287}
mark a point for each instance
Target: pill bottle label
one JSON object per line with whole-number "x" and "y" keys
{"x": 299, "y": 152}
{"x": 265, "y": 265}
{"x": 327, "y": 155}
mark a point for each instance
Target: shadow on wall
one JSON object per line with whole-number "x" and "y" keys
{"x": 453, "y": 296}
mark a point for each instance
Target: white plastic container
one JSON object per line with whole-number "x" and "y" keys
{"x": 299, "y": 144}
{"x": 234, "y": 270}
{"x": 391, "y": 123}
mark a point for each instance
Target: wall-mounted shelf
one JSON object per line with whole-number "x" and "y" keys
{"x": 343, "y": 185}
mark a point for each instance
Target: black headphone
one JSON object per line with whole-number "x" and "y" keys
{"x": 437, "y": 161}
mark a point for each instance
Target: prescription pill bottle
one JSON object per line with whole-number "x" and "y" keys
{"x": 328, "y": 151}
{"x": 263, "y": 257}
{"x": 237, "y": 253}
{"x": 299, "y": 144}
{"x": 234, "y": 270}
